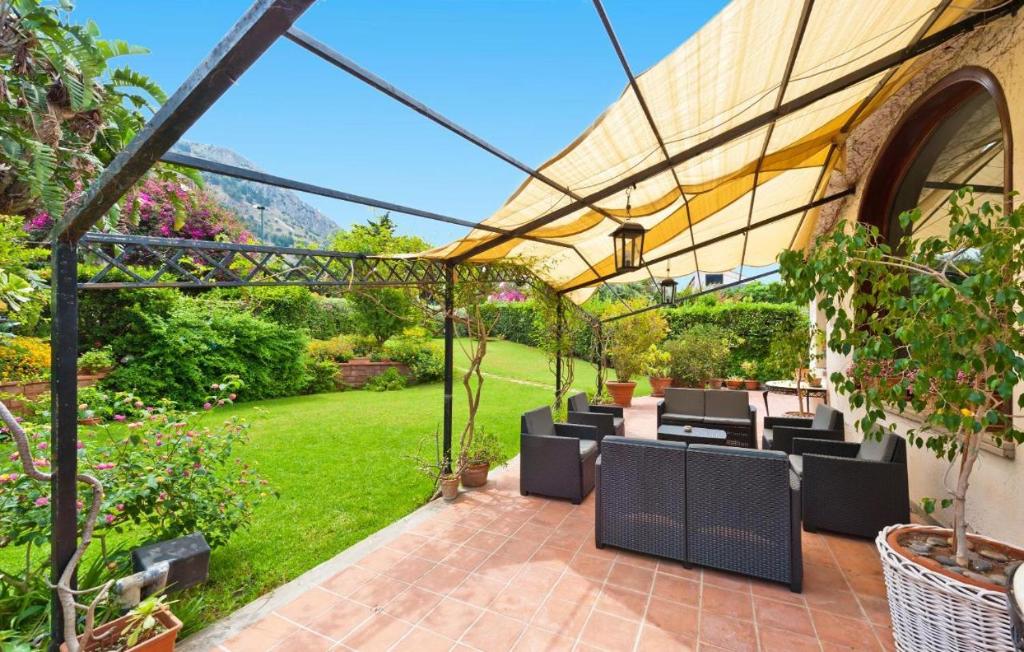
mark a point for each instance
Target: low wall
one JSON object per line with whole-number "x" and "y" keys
{"x": 356, "y": 372}
{"x": 32, "y": 391}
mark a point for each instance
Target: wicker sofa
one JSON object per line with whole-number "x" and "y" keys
{"x": 722, "y": 409}
{"x": 853, "y": 488}
{"x": 556, "y": 459}
{"x": 728, "y": 508}
{"x": 779, "y": 432}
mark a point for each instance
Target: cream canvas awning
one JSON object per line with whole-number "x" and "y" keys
{"x": 752, "y": 58}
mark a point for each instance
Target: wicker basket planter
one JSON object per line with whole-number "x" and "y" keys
{"x": 933, "y": 610}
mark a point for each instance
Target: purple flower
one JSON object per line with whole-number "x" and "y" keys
{"x": 119, "y": 417}
{"x": 207, "y": 406}
{"x": 42, "y": 501}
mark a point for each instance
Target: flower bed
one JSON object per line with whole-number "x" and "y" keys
{"x": 31, "y": 391}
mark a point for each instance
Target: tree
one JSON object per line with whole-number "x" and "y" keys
{"x": 944, "y": 314}
{"x": 64, "y": 110}
{"x": 382, "y": 312}
{"x": 629, "y": 338}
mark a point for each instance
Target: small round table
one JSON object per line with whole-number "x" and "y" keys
{"x": 789, "y": 387}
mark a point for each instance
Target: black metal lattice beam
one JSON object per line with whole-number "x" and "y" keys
{"x": 123, "y": 261}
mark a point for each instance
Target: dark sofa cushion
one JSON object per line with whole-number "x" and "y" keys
{"x": 688, "y": 418}
{"x": 684, "y": 401}
{"x": 729, "y": 403}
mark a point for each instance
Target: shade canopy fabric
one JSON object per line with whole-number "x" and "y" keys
{"x": 751, "y": 58}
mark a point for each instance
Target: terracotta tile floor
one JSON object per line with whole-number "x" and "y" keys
{"x": 495, "y": 571}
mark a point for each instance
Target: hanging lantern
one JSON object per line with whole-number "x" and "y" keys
{"x": 629, "y": 246}
{"x": 668, "y": 291}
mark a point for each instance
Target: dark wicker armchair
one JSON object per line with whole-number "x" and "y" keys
{"x": 853, "y": 488}
{"x": 779, "y": 432}
{"x": 607, "y": 419}
{"x": 556, "y": 459}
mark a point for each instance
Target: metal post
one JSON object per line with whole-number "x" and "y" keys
{"x": 599, "y": 333}
{"x": 64, "y": 423}
{"x": 559, "y": 318}
{"x": 449, "y": 336}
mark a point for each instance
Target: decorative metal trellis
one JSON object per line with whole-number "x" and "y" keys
{"x": 125, "y": 261}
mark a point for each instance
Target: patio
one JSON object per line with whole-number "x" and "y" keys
{"x": 497, "y": 571}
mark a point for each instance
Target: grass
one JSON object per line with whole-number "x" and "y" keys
{"x": 343, "y": 464}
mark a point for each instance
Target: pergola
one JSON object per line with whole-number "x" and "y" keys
{"x": 546, "y": 219}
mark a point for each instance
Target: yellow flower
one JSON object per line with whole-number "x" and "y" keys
{"x": 966, "y": 412}
{"x": 160, "y": 478}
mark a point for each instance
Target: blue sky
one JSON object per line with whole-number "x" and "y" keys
{"x": 527, "y": 75}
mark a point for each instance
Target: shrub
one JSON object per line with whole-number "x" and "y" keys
{"x": 333, "y": 316}
{"x": 754, "y": 325}
{"x": 290, "y": 306}
{"x": 424, "y": 358}
{"x": 24, "y": 359}
{"x": 336, "y": 349}
{"x": 629, "y": 338}
{"x": 699, "y": 353}
{"x": 321, "y": 373}
{"x": 107, "y": 315}
{"x": 96, "y": 360}
{"x": 173, "y": 355}
{"x": 388, "y": 381}
{"x": 382, "y": 313}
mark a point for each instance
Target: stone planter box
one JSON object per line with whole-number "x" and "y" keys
{"x": 32, "y": 391}
{"x": 357, "y": 371}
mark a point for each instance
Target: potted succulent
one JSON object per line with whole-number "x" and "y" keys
{"x": 149, "y": 627}
{"x": 750, "y": 380}
{"x": 658, "y": 367}
{"x": 484, "y": 452}
{"x": 734, "y": 382}
{"x": 958, "y": 332}
{"x": 628, "y": 339}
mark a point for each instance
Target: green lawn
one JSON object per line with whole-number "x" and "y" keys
{"x": 343, "y": 465}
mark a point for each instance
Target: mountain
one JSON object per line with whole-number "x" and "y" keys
{"x": 287, "y": 220}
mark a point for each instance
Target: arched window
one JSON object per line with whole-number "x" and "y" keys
{"x": 956, "y": 134}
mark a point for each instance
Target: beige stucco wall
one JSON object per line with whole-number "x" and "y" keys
{"x": 996, "y": 495}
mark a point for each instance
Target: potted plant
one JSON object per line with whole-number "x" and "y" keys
{"x": 734, "y": 382}
{"x": 96, "y": 361}
{"x": 750, "y": 380}
{"x": 449, "y": 483}
{"x": 792, "y": 350}
{"x": 945, "y": 307}
{"x": 149, "y": 627}
{"x": 698, "y": 354}
{"x": 628, "y": 339}
{"x": 484, "y": 452}
{"x": 658, "y": 367}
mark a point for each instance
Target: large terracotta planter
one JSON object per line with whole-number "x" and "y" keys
{"x": 475, "y": 475}
{"x": 935, "y": 608}
{"x": 715, "y": 383}
{"x": 104, "y": 636}
{"x": 734, "y": 383}
{"x": 751, "y": 385}
{"x": 659, "y": 385}
{"x": 622, "y": 393}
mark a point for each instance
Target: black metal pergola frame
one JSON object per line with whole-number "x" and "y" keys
{"x": 195, "y": 264}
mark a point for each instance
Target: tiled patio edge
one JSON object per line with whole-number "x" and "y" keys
{"x": 215, "y": 633}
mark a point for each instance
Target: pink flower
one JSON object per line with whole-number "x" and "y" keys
{"x": 232, "y": 396}
{"x": 104, "y": 466}
{"x": 14, "y": 457}
{"x": 207, "y": 406}
{"x": 80, "y": 445}
{"x": 119, "y": 417}
{"x": 42, "y": 445}
{"x": 215, "y": 386}
{"x": 120, "y": 507}
{"x": 138, "y": 404}
{"x": 42, "y": 501}
{"x": 109, "y": 518}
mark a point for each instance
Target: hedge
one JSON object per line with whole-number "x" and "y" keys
{"x": 519, "y": 321}
{"x": 756, "y": 323}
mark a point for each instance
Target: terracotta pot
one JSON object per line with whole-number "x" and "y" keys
{"x": 622, "y": 393}
{"x": 752, "y": 384}
{"x": 733, "y": 384}
{"x": 715, "y": 383}
{"x": 475, "y": 475}
{"x": 1014, "y": 553}
{"x": 658, "y": 385}
{"x": 814, "y": 381}
{"x": 106, "y": 635}
{"x": 450, "y": 488}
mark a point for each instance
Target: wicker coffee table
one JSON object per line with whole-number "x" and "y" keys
{"x": 693, "y": 436}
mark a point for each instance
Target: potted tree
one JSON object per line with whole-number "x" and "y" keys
{"x": 792, "y": 350}
{"x": 750, "y": 380}
{"x": 629, "y": 336}
{"x": 484, "y": 452}
{"x": 947, "y": 309}
{"x": 658, "y": 367}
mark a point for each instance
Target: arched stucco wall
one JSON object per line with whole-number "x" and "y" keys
{"x": 996, "y": 495}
